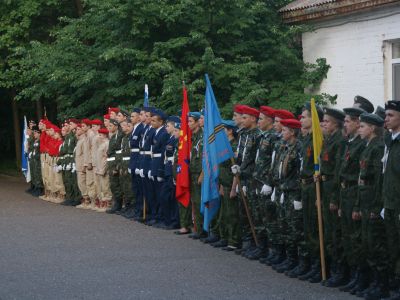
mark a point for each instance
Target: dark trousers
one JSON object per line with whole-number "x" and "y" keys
{"x": 137, "y": 190}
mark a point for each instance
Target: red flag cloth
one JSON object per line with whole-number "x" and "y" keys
{"x": 185, "y": 145}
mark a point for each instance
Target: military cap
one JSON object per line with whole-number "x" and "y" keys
{"x": 202, "y": 112}
{"x": 178, "y": 125}
{"x": 114, "y": 122}
{"x": 194, "y": 114}
{"x": 238, "y": 108}
{"x": 372, "y": 119}
{"x": 124, "y": 112}
{"x": 86, "y": 121}
{"x": 35, "y": 128}
{"x": 268, "y": 111}
{"x": 353, "y": 111}
{"x": 160, "y": 113}
{"x": 393, "y": 105}
{"x": 320, "y": 112}
{"x": 103, "y": 130}
{"x": 364, "y": 103}
{"x": 136, "y": 110}
{"x": 229, "y": 124}
{"x": 113, "y": 109}
{"x": 174, "y": 119}
{"x": 283, "y": 114}
{"x": 97, "y": 122}
{"x": 247, "y": 110}
{"x": 149, "y": 109}
{"x": 335, "y": 113}
{"x": 380, "y": 111}
{"x": 291, "y": 123}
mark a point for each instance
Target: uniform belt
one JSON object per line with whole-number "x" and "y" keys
{"x": 326, "y": 177}
{"x": 171, "y": 158}
{"x": 118, "y": 151}
{"x": 110, "y": 158}
{"x": 347, "y": 184}
{"x": 141, "y": 152}
{"x": 135, "y": 150}
{"x": 156, "y": 155}
{"x": 363, "y": 182}
{"x": 126, "y": 158}
{"x": 147, "y": 152}
{"x": 307, "y": 180}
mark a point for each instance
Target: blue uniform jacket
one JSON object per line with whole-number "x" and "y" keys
{"x": 159, "y": 141}
{"x": 134, "y": 142}
{"x": 146, "y": 148}
{"x": 170, "y": 149}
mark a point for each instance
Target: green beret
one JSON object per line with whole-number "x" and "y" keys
{"x": 353, "y": 111}
{"x": 335, "y": 113}
{"x": 307, "y": 106}
{"x": 380, "y": 111}
{"x": 124, "y": 112}
{"x": 114, "y": 122}
{"x": 393, "y": 105}
{"x": 372, "y": 119}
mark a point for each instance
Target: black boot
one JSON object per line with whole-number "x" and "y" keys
{"x": 116, "y": 207}
{"x": 352, "y": 281}
{"x": 302, "y": 268}
{"x": 338, "y": 278}
{"x": 362, "y": 282}
{"x": 279, "y": 257}
{"x": 291, "y": 264}
{"x": 271, "y": 253}
{"x": 315, "y": 269}
{"x": 381, "y": 289}
{"x": 220, "y": 244}
{"x": 212, "y": 238}
{"x": 373, "y": 285}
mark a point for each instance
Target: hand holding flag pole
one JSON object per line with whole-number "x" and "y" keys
{"x": 317, "y": 145}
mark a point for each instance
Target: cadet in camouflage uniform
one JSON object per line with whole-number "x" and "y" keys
{"x": 290, "y": 215}
{"x": 261, "y": 179}
{"x": 370, "y": 205}
{"x": 308, "y": 195}
{"x": 331, "y": 153}
{"x": 114, "y": 147}
{"x": 391, "y": 192}
{"x": 246, "y": 168}
{"x": 195, "y": 171}
{"x": 350, "y": 218}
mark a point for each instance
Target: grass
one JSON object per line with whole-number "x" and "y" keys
{"x": 9, "y": 167}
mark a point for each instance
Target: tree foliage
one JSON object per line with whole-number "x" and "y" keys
{"x": 104, "y": 57}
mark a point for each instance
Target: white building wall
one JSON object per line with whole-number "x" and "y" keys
{"x": 354, "y": 48}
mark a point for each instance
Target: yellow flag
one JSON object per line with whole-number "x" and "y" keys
{"x": 317, "y": 136}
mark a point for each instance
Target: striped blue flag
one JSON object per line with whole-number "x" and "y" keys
{"x": 216, "y": 149}
{"x": 146, "y": 96}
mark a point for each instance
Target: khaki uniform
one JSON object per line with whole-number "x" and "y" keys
{"x": 88, "y": 159}
{"x": 80, "y": 165}
{"x": 102, "y": 181}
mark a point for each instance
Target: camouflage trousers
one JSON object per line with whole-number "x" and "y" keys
{"x": 228, "y": 221}
{"x": 310, "y": 221}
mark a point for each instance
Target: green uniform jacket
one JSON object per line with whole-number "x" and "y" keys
{"x": 350, "y": 162}
{"x": 279, "y": 147}
{"x": 249, "y": 153}
{"x": 196, "y": 153}
{"x": 114, "y": 146}
{"x": 262, "y": 171}
{"x": 307, "y": 157}
{"x": 370, "y": 178}
{"x": 70, "y": 141}
{"x": 225, "y": 173}
{"x": 331, "y": 153}
{"x": 125, "y": 153}
{"x": 290, "y": 167}
{"x": 240, "y": 145}
{"x": 391, "y": 177}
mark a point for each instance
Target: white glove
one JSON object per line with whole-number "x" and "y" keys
{"x": 235, "y": 169}
{"x": 297, "y": 205}
{"x": 68, "y": 167}
{"x": 129, "y": 171}
{"x": 266, "y": 190}
{"x": 137, "y": 171}
{"x": 244, "y": 189}
{"x": 152, "y": 178}
{"x": 59, "y": 169}
{"x": 141, "y": 173}
{"x": 383, "y": 213}
{"x": 237, "y": 189}
{"x": 149, "y": 174}
{"x": 73, "y": 168}
{"x": 273, "y": 196}
{"x": 282, "y": 198}
{"x": 160, "y": 179}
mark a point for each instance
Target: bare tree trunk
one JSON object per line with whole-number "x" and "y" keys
{"x": 79, "y": 7}
{"x": 17, "y": 129}
{"x": 39, "y": 110}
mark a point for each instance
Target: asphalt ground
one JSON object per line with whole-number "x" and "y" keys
{"x": 48, "y": 251}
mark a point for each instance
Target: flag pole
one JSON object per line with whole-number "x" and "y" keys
{"x": 320, "y": 228}
{"x": 246, "y": 207}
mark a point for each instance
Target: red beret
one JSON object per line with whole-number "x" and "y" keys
{"x": 97, "y": 122}
{"x": 250, "y": 111}
{"x": 103, "y": 130}
{"x": 86, "y": 121}
{"x": 79, "y": 125}
{"x": 284, "y": 114}
{"x": 114, "y": 109}
{"x": 291, "y": 123}
{"x": 107, "y": 116}
{"x": 238, "y": 108}
{"x": 268, "y": 111}
{"x": 76, "y": 121}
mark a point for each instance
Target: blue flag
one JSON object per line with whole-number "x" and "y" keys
{"x": 24, "y": 159}
{"x": 146, "y": 96}
{"x": 216, "y": 149}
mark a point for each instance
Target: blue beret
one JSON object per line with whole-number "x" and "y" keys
{"x": 229, "y": 124}
{"x": 178, "y": 125}
{"x": 174, "y": 119}
{"x": 160, "y": 113}
{"x": 149, "y": 109}
{"x": 195, "y": 115}
{"x": 136, "y": 110}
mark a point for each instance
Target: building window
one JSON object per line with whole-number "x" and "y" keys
{"x": 391, "y": 54}
{"x": 396, "y": 70}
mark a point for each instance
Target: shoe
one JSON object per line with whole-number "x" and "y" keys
{"x": 181, "y": 232}
{"x": 113, "y": 210}
{"x": 311, "y": 273}
{"x": 290, "y": 265}
{"x": 220, "y": 244}
{"x": 316, "y": 278}
{"x": 381, "y": 290}
{"x": 67, "y": 203}
{"x": 258, "y": 253}
{"x": 302, "y": 269}
{"x": 352, "y": 281}
{"x": 238, "y": 251}
{"x": 151, "y": 222}
{"x": 362, "y": 283}
{"x": 210, "y": 239}
{"x": 229, "y": 248}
